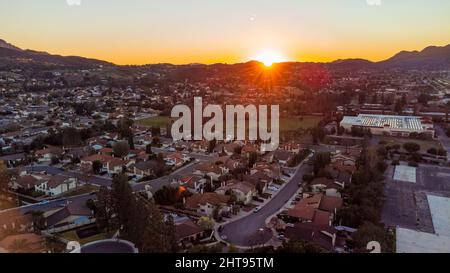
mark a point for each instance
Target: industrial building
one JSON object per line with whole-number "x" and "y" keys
{"x": 390, "y": 125}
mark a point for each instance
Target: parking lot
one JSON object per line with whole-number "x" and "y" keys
{"x": 406, "y": 203}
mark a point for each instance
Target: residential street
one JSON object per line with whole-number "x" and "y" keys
{"x": 247, "y": 231}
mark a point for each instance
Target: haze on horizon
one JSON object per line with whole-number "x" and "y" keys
{"x": 228, "y": 31}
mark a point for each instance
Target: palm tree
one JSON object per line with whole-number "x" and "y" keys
{"x": 19, "y": 245}
{"x": 38, "y": 220}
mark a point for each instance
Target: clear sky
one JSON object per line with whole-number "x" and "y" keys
{"x": 209, "y": 31}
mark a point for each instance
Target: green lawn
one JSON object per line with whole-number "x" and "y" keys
{"x": 82, "y": 190}
{"x": 286, "y": 124}
{"x": 72, "y": 236}
{"x": 154, "y": 121}
{"x": 294, "y": 124}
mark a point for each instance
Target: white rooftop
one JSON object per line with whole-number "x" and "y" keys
{"x": 411, "y": 241}
{"x": 412, "y": 123}
{"x": 440, "y": 214}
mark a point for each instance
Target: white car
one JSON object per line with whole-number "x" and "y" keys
{"x": 257, "y": 209}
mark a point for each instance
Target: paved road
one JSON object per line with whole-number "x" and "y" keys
{"x": 247, "y": 231}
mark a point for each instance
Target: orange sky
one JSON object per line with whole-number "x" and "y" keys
{"x": 196, "y": 31}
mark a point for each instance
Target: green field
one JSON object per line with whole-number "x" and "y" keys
{"x": 286, "y": 124}
{"x": 294, "y": 124}
{"x": 154, "y": 121}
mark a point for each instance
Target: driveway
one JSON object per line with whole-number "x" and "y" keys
{"x": 248, "y": 231}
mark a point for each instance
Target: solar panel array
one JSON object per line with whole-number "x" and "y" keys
{"x": 394, "y": 122}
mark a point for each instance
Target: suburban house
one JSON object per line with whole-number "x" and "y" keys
{"x": 212, "y": 170}
{"x": 26, "y": 182}
{"x": 193, "y": 183}
{"x": 259, "y": 179}
{"x": 69, "y": 216}
{"x": 290, "y": 147}
{"x": 13, "y": 159}
{"x": 342, "y": 162}
{"x": 318, "y": 209}
{"x": 282, "y": 157}
{"x": 56, "y": 185}
{"x": 46, "y": 154}
{"x": 324, "y": 236}
{"x": 176, "y": 159}
{"x": 207, "y": 203}
{"x": 243, "y": 191}
{"x": 200, "y": 146}
{"x": 111, "y": 165}
{"x": 144, "y": 168}
{"x": 187, "y": 232}
{"x": 329, "y": 186}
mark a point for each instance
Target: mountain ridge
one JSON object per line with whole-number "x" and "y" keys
{"x": 429, "y": 58}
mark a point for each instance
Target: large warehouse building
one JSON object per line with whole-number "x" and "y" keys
{"x": 390, "y": 125}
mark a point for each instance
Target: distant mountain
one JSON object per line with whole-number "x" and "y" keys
{"x": 14, "y": 57}
{"x": 432, "y": 57}
{"x": 352, "y": 64}
{"x": 4, "y": 44}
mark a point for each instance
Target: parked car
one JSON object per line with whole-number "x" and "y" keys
{"x": 257, "y": 209}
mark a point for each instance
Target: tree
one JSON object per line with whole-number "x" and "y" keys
{"x": 19, "y": 246}
{"x": 206, "y": 223}
{"x": 318, "y": 134}
{"x": 297, "y": 246}
{"x": 368, "y": 232}
{"x": 104, "y": 210}
{"x": 170, "y": 195}
{"x": 97, "y": 166}
{"x": 252, "y": 158}
{"x": 148, "y": 229}
{"x": 54, "y": 160}
{"x": 156, "y": 141}
{"x": 71, "y": 137}
{"x": 122, "y": 196}
{"x": 411, "y": 147}
{"x": 121, "y": 149}
{"x": 321, "y": 160}
{"x": 38, "y": 220}
{"x": 148, "y": 149}
{"x": 211, "y": 145}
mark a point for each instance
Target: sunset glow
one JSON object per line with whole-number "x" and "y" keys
{"x": 142, "y": 32}
{"x": 269, "y": 57}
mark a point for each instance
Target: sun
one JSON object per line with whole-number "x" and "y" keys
{"x": 269, "y": 57}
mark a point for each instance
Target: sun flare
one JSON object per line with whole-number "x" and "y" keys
{"x": 268, "y": 58}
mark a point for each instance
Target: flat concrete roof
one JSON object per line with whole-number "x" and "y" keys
{"x": 405, "y": 173}
{"x": 440, "y": 214}
{"x": 411, "y": 241}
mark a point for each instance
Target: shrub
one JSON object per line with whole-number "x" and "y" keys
{"x": 411, "y": 147}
